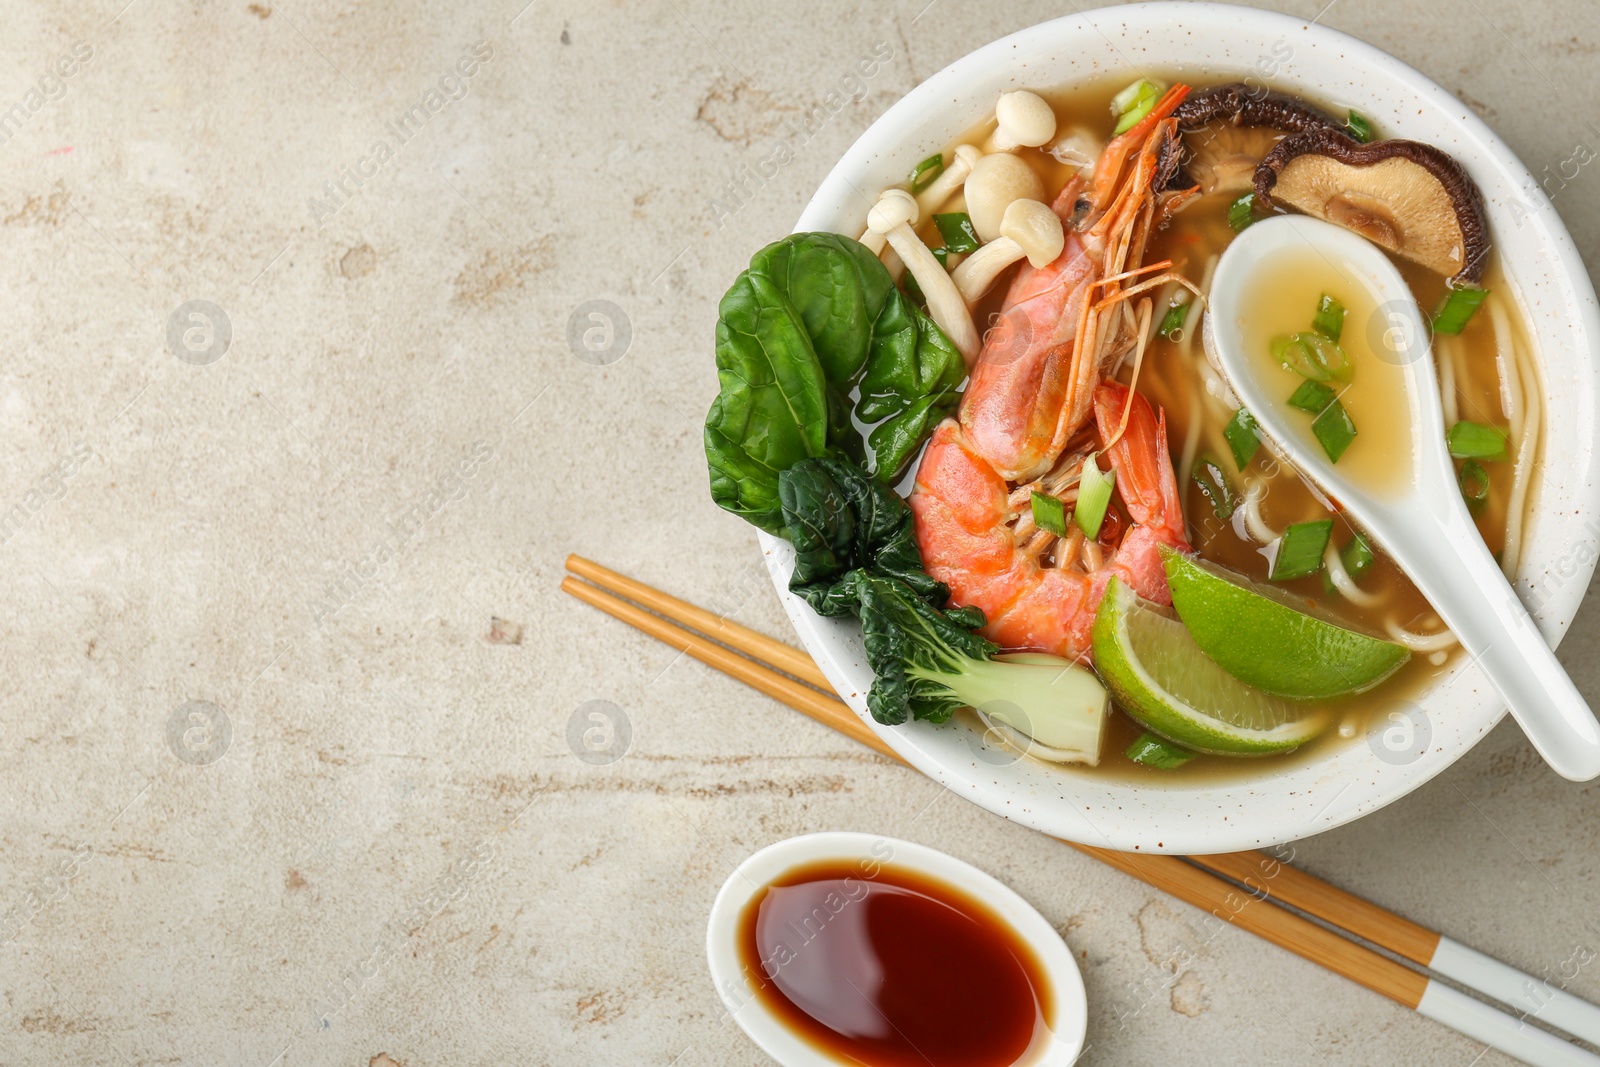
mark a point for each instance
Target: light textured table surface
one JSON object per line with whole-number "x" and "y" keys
{"x": 275, "y": 785}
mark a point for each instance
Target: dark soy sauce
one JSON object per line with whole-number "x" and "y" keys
{"x": 892, "y": 968}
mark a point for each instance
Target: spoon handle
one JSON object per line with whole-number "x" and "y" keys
{"x": 1468, "y": 590}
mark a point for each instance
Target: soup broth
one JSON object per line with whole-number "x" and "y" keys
{"x": 1285, "y": 291}
{"x": 1487, "y": 374}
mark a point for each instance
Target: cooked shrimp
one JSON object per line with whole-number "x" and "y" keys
{"x": 1062, "y": 329}
{"x": 1056, "y": 337}
{"x": 977, "y": 536}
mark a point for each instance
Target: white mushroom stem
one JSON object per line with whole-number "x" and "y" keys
{"x": 1029, "y": 228}
{"x": 893, "y": 216}
{"x": 978, "y": 272}
{"x": 1023, "y": 120}
{"x": 949, "y": 180}
{"x": 878, "y": 245}
{"x": 893, "y": 263}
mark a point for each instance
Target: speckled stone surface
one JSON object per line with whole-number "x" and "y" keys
{"x": 302, "y": 408}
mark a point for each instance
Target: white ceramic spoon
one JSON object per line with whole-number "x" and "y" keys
{"x": 1419, "y": 519}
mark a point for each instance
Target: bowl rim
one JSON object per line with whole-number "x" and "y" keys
{"x": 1285, "y": 803}
{"x": 756, "y": 871}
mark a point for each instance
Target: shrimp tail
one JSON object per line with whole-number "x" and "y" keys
{"x": 1147, "y": 486}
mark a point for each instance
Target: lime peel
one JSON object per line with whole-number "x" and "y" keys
{"x": 1259, "y": 638}
{"x": 1161, "y": 678}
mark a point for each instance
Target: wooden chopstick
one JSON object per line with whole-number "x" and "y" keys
{"x": 1315, "y": 897}
{"x": 1408, "y": 940}
{"x": 786, "y": 658}
{"x": 1264, "y": 879}
{"x": 830, "y": 711}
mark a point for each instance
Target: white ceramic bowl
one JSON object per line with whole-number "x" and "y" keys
{"x": 738, "y": 992}
{"x": 1208, "y": 43}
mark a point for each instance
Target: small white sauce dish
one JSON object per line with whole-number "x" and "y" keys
{"x": 738, "y": 990}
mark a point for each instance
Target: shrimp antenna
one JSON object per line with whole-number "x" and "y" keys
{"x": 1138, "y": 364}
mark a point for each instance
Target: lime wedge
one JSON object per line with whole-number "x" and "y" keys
{"x": 1160, "y": 677}
{"x": 1256, "y": 635}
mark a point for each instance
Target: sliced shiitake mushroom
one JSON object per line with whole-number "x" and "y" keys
{"x": 1240, "y": 105}
{"x": 1229, "y": 129}
{"x": 1223, "y": 158}
{"x": 1410, "y": 198}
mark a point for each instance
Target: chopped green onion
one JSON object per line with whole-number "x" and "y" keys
{"x": 1329, "y": 319}
{"x": 1357, "y": 556}
{"x": 1475, "y": 440}
{"x": 1300, "y": 550}
{"x": 1133, "y": 104}
{"x": 1329, "y": 354}
{"x": 1242, "y": 212}
{"x": 1049, "y": 513}
{"x": 1153, "y": 751}
{"x": 1241, "y": 436}
{"x": 942, "y": 255}
{"x": 1290, "y": 354}
{"x": 1172, "y": 322}
{"x": 1359, "y": 127}
{"x": 1129, "y": 95}
{"x": 1458, "y": 309}
{"x": 1094, "y": 494}
{"x": 1474, "y": 482}
{"x": 1311, "y": 397}
{"x": 1311, "y": 355}
{"x": 926, "y": 172}
{"x": 1334, "y": 429}
{"x": 1214, "y": 486}
{"x": 956, "y": 229}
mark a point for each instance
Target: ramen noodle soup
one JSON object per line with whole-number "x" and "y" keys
{"x": 1087, "y": 481}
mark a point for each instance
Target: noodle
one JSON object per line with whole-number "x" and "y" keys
{"x": 1191, "y": 321}
{"x": 1505, "y": 364}
{"x": 1419, "y": 642}
{"x": 1190, "y": 327}
{"x": 1447, "y": 381}
{"x": 1251, "y": 509}
{"x": 1523, "y": 409}
{"x": 1191, "y": 440}
{"x": 1522, "y": 474}
{"x": 1344, "y": 583}
{"x": 1216, "y": 390}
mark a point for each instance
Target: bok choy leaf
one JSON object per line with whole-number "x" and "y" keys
{"x": 856, "y": 554}
{"x": 839, "y": 520}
